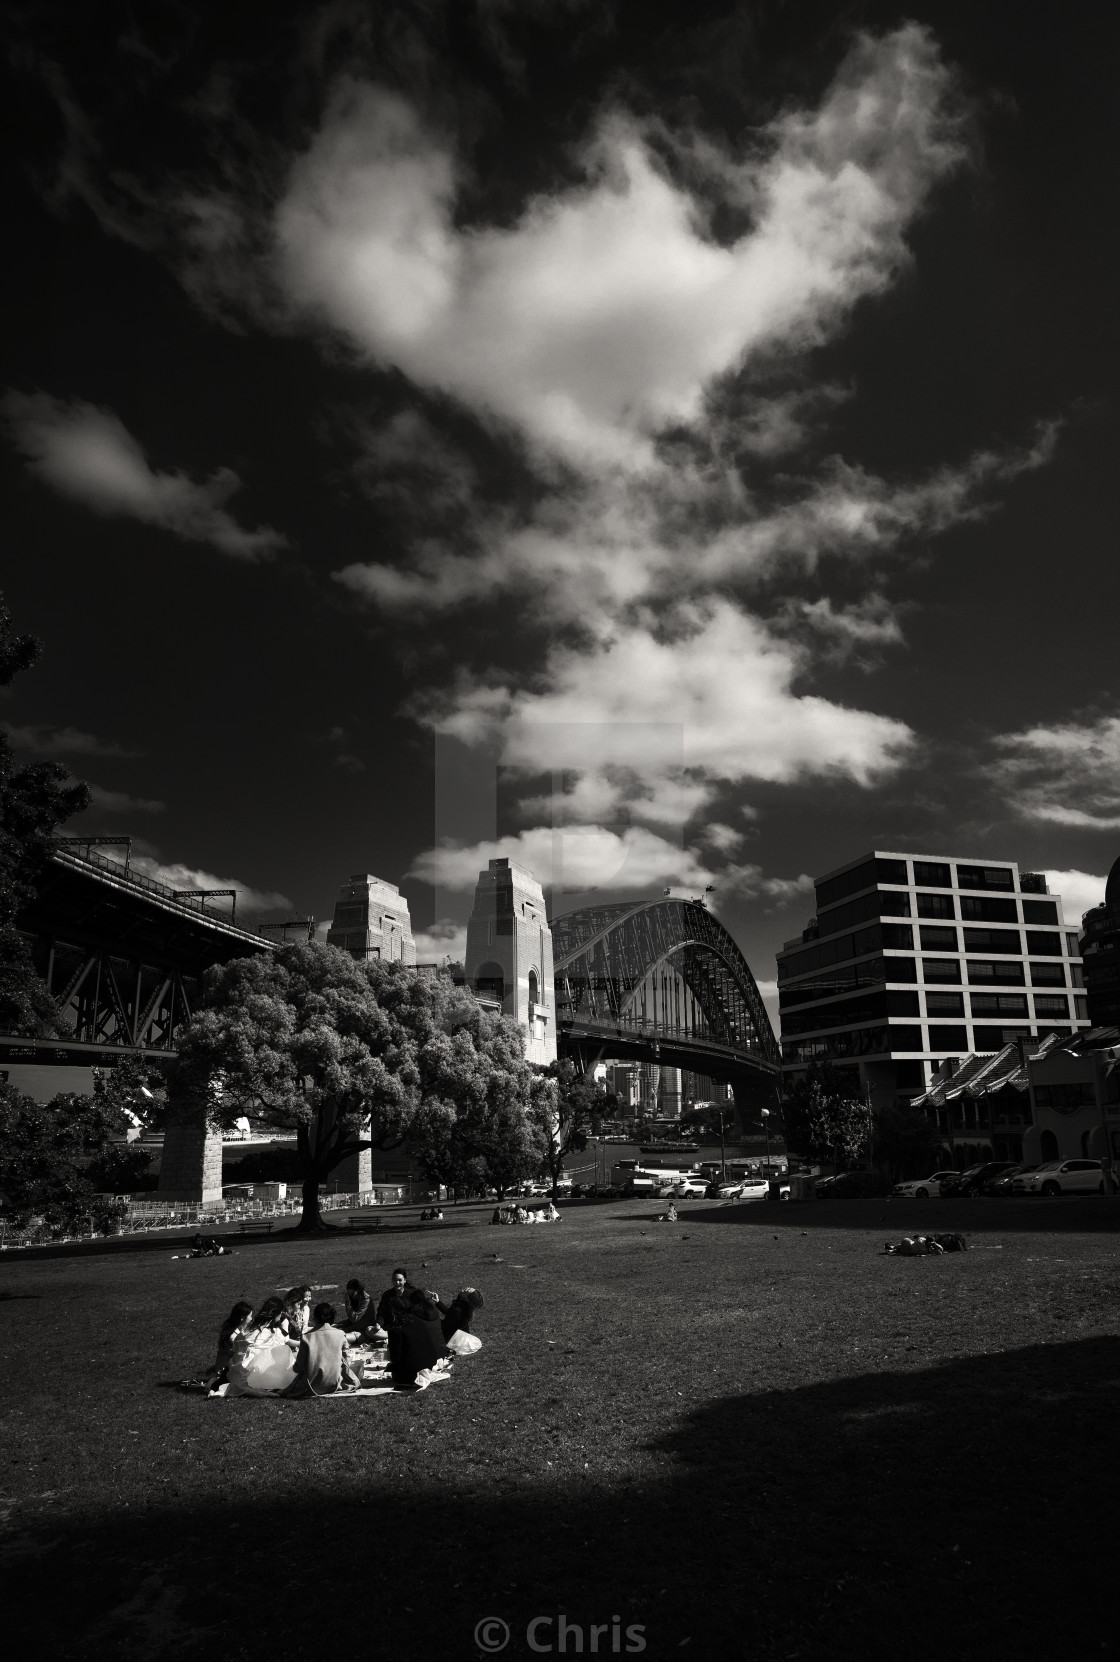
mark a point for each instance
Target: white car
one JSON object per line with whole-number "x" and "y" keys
{"x": 1062, "y": 1177}
{"x": 923, "y": 1188}
{"x": 689, "y": 1188}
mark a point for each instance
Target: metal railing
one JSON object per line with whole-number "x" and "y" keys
{"x": 137, "y": 880}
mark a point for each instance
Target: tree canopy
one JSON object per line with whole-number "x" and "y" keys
{"x": 34, "y": 801}
{"x": 823, "y": 1118}
{"x": 50, "y": 1154}
{"x": 353, "y": 1055}
{"x": 566, "y": 1107}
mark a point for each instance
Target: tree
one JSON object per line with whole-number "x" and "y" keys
{"x": 347, "y": 1054}
{"x": 821, "y": 1118}
{"x": 34, "y": 801}
{"x": 49, "y": 1154}
{"x": 566, "y": 1107}
{"x": 905, "y": 1141}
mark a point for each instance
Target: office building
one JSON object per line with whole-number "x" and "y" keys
{"x": 913, "y": 958}
{"x": 1100, "y": 950}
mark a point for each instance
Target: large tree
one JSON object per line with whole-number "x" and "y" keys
{"x": 823, "y": 1118}
{"x": 34, "y": 801}
{"x": 906, "y": 1141}
{"x": 567, "y": 1105}
{"x": 350, "y": 1055}
{"x": 50, "y": 1154}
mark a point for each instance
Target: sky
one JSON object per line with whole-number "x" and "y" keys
{"x": 666, "y": 444}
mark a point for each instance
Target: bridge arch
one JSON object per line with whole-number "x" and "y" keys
{"x": 607, "y": 958}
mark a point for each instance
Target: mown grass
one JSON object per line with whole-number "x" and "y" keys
{"x": 750, "y": 1434}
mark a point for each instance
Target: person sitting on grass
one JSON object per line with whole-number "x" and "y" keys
{"x": 416, "y": 1344}
{"x": 395, "y": 1302}
{"x": 360, "y": 1316}
{"x": 230, "y": 1331}
{"x": 457, "y": 1315}
{"x": 262, "y": 1360}
{"x": 668, "y": 1217}
{"x": 296, "y": 1312}
{"x": 321, "y": 1365}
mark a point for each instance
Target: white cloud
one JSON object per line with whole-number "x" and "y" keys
{"x": 119, "y": 802}
{"x": 722, "y": 677}
{"x": 1080, "y": 891}
{"x": 1068, "y": 773}
{"x": 64, "y": 741}
{"x": 723, "y": 838}
{"x": 604, "y": 312}
{"x": 578, "y": 858}
{"x": 445, "y": 939}
{"x": 769, "y": 993}
{"x": 250, "y": 901}
{"x": 87, "y": 454}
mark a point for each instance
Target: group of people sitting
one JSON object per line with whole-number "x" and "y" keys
{"x": 287, "y": 1348}
{"x": 924, "y": 1246}
{"x": 513, "y": 1213}
{"x": 208, "y": 1247}
{"x": 434, "y": 1214}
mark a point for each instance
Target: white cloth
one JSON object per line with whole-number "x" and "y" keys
{"x": 463, "y": 1344}
{"x": 262, "y": 1363}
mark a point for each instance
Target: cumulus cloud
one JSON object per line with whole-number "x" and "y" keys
{"x": 250, "y": 901}
{"x": 1068, "y": 773}
{"x": 1080, "y": 891}
{"x": 88, "y": 455}
{"x": 64, "y": 741}
{"x": 119, "y": 802}
{"x": 604, "y": 312}
{"x": 577, "y": 858}
{"x": 721, "y": 676}
{"x": 445, "y": 939}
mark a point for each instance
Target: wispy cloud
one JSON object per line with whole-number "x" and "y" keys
{"x": 445, "y": 939}
{"x": 1080, "y": 891}
{"x": 1068, "y": 773}
{"x": 64, "y": 741}
{"x": 88, "y": 455}
{"x": 250, "y": 901}
{"x": 120, "y": 802}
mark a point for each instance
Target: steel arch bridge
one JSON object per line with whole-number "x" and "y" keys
{"x": 662, "y": 981}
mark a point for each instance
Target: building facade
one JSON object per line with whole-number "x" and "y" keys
{"x": 509, "y": 954}
{"x": 371, "y": 920}
{"x": 911, "y": 959}
{"x": 1100, "y": 950}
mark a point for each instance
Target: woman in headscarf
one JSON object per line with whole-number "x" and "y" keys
{"x": 416, "y": 1342}
{"x": 395, "y": 1301}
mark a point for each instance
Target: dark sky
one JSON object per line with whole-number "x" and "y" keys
{"x": 673, "y": 387}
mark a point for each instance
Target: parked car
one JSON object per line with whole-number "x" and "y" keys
{"x": 852, "y": 1185}
{"x": 925, "y": 1188}
{"x": 1062, "y": 1177}
{"x": 974, "y": 1179}
{"x": 689, "y": 1188}
{"x": 1005, "y": 1182}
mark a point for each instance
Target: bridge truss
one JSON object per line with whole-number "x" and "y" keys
{"x": 663, "y": 981}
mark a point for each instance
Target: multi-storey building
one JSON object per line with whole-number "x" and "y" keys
{"x": 912, "y": 958}
{"x": 1100, "y": 949}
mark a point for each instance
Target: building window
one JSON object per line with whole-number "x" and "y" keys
{"x": 1081, "y": 1009}
{"x": 936, "y": 906}
{"x": 948, "y": 1038}
{"x": 534, "y": 993}
{"x": 1077, "y": 975}
{"x": 903, "y": 1004}
{"x": 985, "y": 877}
{"x": 941, "y": 969}
{"x": 899, "y": 969}
{"x": 1045, "y": 1006}
{"x": 1046, "y": 943}
{"x": 1040, "y": 911}
{"x": 985, "y": 969}
{"x": 988, "y": 909}
{"x": 944, "y": 1004}
{"x": 1048, "y": 975}
{"x": 936, "y": 939}
{"x": 1073, "y": 946}
{"x": 490, "y": 981}
{"x": 992, "y": 940}
{"x": 932, "y": 874}
{"x": 898, "y": 936}
{"x": 906, "y": 1038}
{"x": 999, "y": 1004}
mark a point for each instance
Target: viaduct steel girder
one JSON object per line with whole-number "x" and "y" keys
{"x": 611, "y": 961}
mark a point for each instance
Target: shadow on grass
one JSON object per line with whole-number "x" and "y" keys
{"x": 962, "y": 1511}
{"x": 1071, "y": 1214}
{"x": 179, "y": 1241}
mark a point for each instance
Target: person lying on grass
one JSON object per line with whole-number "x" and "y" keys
{"x": 262, "y": 1359}
{"x": 321, "y": 1366}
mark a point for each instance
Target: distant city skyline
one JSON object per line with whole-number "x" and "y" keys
{"x": 667, "y": 447}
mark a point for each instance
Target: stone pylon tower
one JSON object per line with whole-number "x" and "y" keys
{"x": 371, "y": 920}
{"x": 509, "y": 954}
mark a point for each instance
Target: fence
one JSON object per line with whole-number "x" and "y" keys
{"x": 145, "y": 1214}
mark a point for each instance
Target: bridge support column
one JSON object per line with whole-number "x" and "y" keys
{"x": 354, "y": 1175}
{"x": 191, "y": 1167}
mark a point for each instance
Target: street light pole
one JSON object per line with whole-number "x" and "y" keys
{"x": 722, "y": 1151}
{"x": 765, "y": 1114}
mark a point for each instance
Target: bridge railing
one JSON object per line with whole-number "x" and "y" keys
{"x": 153, "y": 885}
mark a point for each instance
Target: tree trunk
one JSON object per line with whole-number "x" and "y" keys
{"x": 312, "y": 1222}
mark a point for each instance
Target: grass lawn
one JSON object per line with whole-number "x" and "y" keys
{"x": 750, "y": 1434}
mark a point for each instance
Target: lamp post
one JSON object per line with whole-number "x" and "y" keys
{"x": 722, "y": 1151}
{"x": 765, "y": 1115}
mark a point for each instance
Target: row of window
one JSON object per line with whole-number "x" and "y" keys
{"x": 852, "y": 1012}
{"x": 952, "y": 1039}
{"x": 927, "y": 874}
{"x": 899, "y": 937}
{"x": 973, "y": 908}
{"x": 979, "y": 972}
